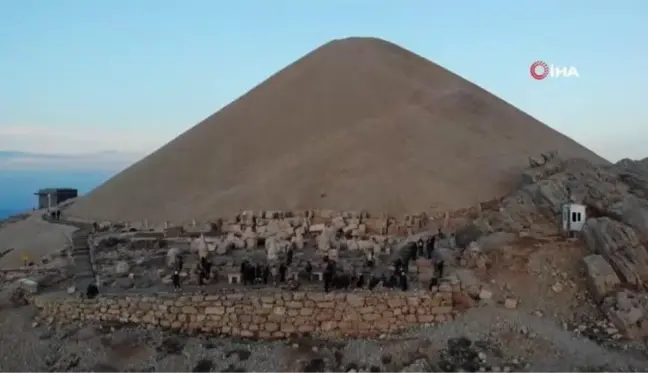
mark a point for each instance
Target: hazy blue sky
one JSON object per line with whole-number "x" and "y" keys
{"x": 129, "y": 75}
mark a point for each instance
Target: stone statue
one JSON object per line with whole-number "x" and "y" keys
{"x": 272, "y": 248}
{"x": 250, "y": 238}
{"x": 172, "y": 256}
{"x": 298, "y": 241}
{"x": 324, "y": 239}
{"x": 203, "y": 247}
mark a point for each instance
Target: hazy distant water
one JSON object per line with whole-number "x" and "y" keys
{"x": 5, "y": 213}
{"x": 17, "y": 187}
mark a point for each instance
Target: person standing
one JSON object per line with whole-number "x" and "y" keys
{"x": 282, "y": 272}
{"x": 430, "y": 246}
{"x": 176, "y": 280}
{"x": 329, "y": 271}
{"x": 289, "y": 256}
{"x": 402, "y": 280}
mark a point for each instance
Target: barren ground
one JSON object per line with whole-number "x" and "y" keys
{"x": 32, "y": 237}
{"x": 554, "y": 328}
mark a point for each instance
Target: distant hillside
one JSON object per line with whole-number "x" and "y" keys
{"x": 356, "y": 124}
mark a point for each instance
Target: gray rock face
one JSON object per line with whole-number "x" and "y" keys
{"x": 620, "y": 246}
{"x": 601, "y": 276}
{"x": 616, "y": 196}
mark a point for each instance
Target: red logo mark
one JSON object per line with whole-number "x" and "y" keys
{"x": 539, "y": 65}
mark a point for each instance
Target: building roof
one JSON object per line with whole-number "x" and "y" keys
{"x": 56, "y": 190}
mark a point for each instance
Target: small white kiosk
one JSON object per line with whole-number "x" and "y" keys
{"x": 573, "y": 218}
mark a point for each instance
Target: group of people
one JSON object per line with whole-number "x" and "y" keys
{"x": 252, "y": 274}
{"x": 333, "y": 278}
{"x": 203, "y": 271}
{"x": 259, "y": 274}
{"x": 339, "y": 280}
{"x": 422, "y": 248}
{"x": 55, "y": 214}
{"x": 398, "y": 277}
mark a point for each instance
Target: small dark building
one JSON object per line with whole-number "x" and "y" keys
{"x": 51, "y": 197}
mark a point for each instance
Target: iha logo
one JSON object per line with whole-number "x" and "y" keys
{"x": 540, "y": 70}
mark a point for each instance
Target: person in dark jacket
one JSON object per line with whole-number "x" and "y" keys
{"x": 420, "y": 248}
{"x": 430, "y": 246}
{"x": 439, "y": 267}
{"x": 244, "y": 272}
{"x": 329, "y": 272}
{"x": 361, "y": 281}
{"x": 205, "y": 267}
{"x": 179, "y": 263}
{"x": 92, "y": 291}
{"x": 282, "y": 272}
{"x": 402, "y": 280}
{"x": 176, "y": 280}
{"x": 370, "y": 260}
{"x": 398, "y": 264}
{"x": 266, "y": 274}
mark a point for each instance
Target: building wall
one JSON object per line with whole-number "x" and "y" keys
{"x": 58, "y": 196}
{"x": 269, "y": 314}
{"x": 42, "y": 201}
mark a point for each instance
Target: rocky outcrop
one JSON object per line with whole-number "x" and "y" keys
{"x": 616, "y": 197}
{"x": 627, "y": 311}
{"x": 619, "y": 245}
{"x": 601, "y": 277}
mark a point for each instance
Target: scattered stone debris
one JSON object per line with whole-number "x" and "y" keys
{"x": 19, "y": 297}
{"x": 627, "y": 312}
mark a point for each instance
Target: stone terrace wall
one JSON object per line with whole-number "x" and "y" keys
{"x": 265, "y": 314}
{"x": 376, "y": 224}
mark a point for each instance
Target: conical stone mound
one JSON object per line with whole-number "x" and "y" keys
{"x": 357, "y": 124}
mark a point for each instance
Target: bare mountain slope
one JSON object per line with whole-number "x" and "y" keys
{"x": 359, "y": 123}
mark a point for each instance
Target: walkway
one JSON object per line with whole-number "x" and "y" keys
{"x": 82, "y": 254}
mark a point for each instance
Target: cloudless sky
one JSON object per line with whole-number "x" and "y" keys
{"x": 129, "y": 75}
